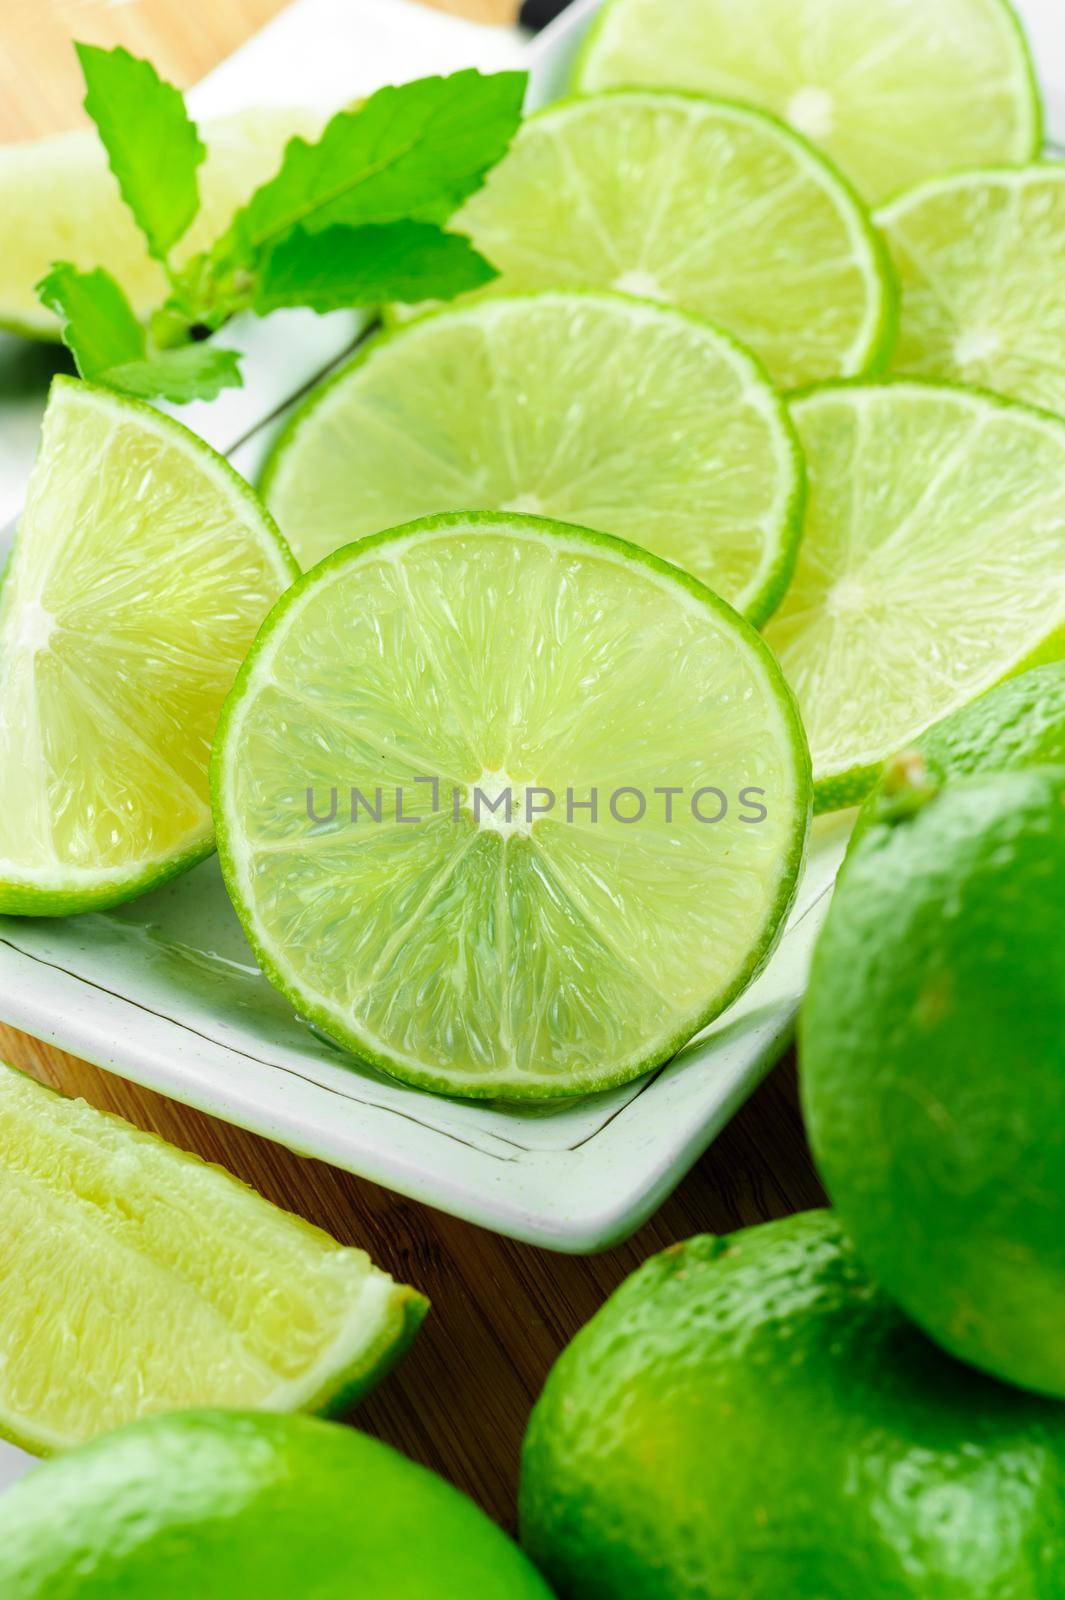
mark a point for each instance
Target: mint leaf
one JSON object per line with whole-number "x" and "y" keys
{"x": 414, "y": 151}
{"x": 192, "y": 372}
{"x": 342, "y": 266}
{"x": 109, "y": 345}
{"x": 97, "y": 322}
{"x": 152, "y": 145}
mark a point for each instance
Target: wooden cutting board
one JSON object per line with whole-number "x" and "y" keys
{"x": 501, "y": 1311}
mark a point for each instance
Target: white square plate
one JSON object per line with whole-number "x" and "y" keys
{"x": 165, "y": 991}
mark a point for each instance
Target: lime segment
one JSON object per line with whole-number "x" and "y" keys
{"x": 714, "y": 207}
{"x": 137, "y": 1279}
{"x": 60, "y": 202}
{"x": 981, "y": 262}
{"x": 428, "y": 689}
{"x": 895, "y": 90}
{"x": 932, "y": 565}
{"x": 142, "y": 568}
{"x": 595, "y": 409}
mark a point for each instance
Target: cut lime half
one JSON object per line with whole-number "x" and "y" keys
{"x": 714, "y": 207}
{"x": 135, "y": 1278}
{"x": 509, "y": 808}
{"x": 894, "y": 90}
{"x": 596, "y": 409}
{"x": 932, "y": 565}
{"x": 142, "y": 567}
{"x": 60, "y": 202}
{"x": 981, "y": 262}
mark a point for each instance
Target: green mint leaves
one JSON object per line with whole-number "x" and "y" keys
{"x": 110, "y": 346}
{"x": 354, "y": 219}
{"x": 151, "y": 142}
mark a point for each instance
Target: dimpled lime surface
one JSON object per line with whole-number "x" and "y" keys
{"x": 235, "y": 1506}
{"x": 714, "y": 207}
{"x": 592, "y": 408}
{"x": 931, "y": 566}
{"x": 980, "y": 258}
{"x": 933, "y": 1061}
{"x": 749, "y": 1419}
{"x": 1017, "y": 725}
{"x": 541, "y": 948}
{"x": 893, "y": 90}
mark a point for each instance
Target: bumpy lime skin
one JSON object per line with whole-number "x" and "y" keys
{"x": 933, "y": 1068}
{"x": 748, "y": 1418}
{"x": 1018, "y": 725}
{"x": 237, "y": 1506}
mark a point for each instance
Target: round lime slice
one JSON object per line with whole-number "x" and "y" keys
{"x": 509, "y": 808}
{"x": 142, "y": 567}
{"x": 714, "y": 207}
{"x": 931, "y": 566}
{"x": 137, "y": 1279}
{"x": 895, "y": 90}
{"x": 589, "y": 408}
{"x": 981, "y": 262}
{"x": 60, "y": 202}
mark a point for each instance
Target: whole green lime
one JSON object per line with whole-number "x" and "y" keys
{"x": 1019, "y": 724}
{"x": 215, "y": 1505}
{"x": 932, "y": 1047}
{"x": 749, "y": 1418}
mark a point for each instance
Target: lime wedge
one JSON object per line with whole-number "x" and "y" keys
{"x": 981, "y": 262}
{"x": 931, "y": 566}
{"x": 142, "y": 568}
{"x": 467, "y": 689}
{"x": 60, "y": 202}
{"x": 135, "y": 1278}
{"x": 713, "y": 207}
{"x": 596, "y": 409}
{"x": 895, "y": 90}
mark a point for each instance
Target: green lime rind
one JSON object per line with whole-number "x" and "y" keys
{"x": 749, "y": 1417}
{"x": 1028, "y": 149}
{"x": 869, "y": 354}
{"x": 338, "y": 1028}
{"x": 275, "y": 1314}
{"x": 764, "y": 593}
{"x": 1015, "y": 726}
{"x": 848, "y": 786}
{"x": 86, "y": 889}
{"x": 932, "y": 1049}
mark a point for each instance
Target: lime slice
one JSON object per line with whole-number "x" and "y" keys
{"x": 596, "y": 409}
{"x": 895, "y": 90}
{"x": 135, "y": 1278}
{"x": 142, "y": 568}
{"x": 493, "y": 677}
{"x": 60, "y": 202}
{"x": 931, "y": 566}
{"x": 713, "y": 207}
{"x": 981, "y": 261}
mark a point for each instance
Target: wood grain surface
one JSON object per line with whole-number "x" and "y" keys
{"x": 501, "y": 1311}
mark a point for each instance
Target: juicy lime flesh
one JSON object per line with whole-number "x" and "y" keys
{"x": 705, "y": 205}
{"x": 471, "y": 954}
{"x": 603, "y": 412}
{"x": 895, "y": 91}
{"x": 141, "y": 571}
{"x": 932, "y": 564}
{"x": 60, "y": 202}
{"x": 134, "y": 1279}
{"x": 981, "y": 263}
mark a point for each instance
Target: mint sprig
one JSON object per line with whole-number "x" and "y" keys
{"x": 353, "y": 219}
